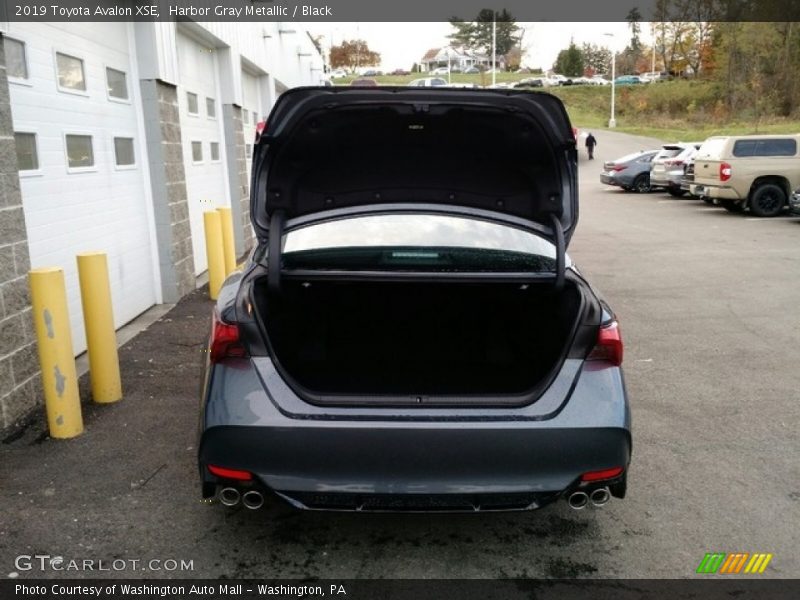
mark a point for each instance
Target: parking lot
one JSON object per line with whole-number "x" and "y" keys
{"x": 708, "y": 305}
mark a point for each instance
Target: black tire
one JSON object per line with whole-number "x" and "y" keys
{"x": 676, "y": 193}
{"x": 706, "y": 200}
{"x": 731, "y": 206}
{"x": 641, "y": 185}
{"x": 767, "y": 200}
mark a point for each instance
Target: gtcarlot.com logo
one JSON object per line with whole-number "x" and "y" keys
{"x": 47, "y": 562}
{"x": 734, "y": 563}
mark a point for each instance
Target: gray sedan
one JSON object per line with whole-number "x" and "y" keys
{"x": 631, "y": 172}
{"x": 410, "y": 335}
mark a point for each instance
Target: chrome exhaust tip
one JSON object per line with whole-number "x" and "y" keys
{"x": 578, "y": 500}
{"x": 600, "y": 496}
{"x": 229, "y": 496}
{"x": 253, "y": 500}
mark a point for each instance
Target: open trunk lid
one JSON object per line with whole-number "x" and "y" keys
{"x": 328, "y": 153}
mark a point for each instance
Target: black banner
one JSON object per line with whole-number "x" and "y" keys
{"x": 388, "y": 589}
{"x": 407, "y": 10}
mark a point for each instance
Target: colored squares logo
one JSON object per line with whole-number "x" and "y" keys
{"x": 734, "y": 563}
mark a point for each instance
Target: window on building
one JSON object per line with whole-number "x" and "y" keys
{"x": 214, "y": 151}
{"x": 197, "y": 151}
{"x": 191, "y": 103}
{"x": 27, "y": 159}
{"x": 245, "y": 116}
{"x": 117, "y": 84}
{"x": 16, "y": 60}
{"x": 211, "y": 108}
{"x": 79, "y": 151}
{"x": 123, "y": 151}
{"x": 70, "y": 72}
{"x": 248, "y": 150}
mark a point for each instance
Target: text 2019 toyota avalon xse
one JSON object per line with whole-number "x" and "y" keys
{"x": 409, "y": 333}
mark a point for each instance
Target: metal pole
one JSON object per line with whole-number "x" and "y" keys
{"x": 54, "y": 343}
{"x": 494, "y": 49}
{"x": 228, "y": 247}
{"x": 98, "y": 321}
{"x": 612, "y": 122}
{"x": 214, "y": 252}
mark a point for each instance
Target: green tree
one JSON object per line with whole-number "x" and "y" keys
{"x": 570, "y": 61}
{"x": 477, "y": 34}
{"x": 596, "y": 58}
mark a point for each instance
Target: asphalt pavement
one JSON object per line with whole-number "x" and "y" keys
{"x": 708, "y": 305}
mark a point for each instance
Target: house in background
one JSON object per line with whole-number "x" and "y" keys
{"x": 458, "y": 58}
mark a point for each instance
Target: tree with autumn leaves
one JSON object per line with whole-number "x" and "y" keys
{"x": 352, "y": 54}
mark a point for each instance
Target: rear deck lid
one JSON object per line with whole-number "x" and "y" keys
{"x": 331, "y": 152}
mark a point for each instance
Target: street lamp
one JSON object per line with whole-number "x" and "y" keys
{"x": 612, "y": 122}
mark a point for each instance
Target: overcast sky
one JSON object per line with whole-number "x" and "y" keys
{"x": 402, "y": 44}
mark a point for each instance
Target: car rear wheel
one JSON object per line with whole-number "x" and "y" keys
{"x": 731, "y": 206}
{"x": 676, "y": 193}
{"x": 642, "y": 184}
{"x": 767, "y": 200}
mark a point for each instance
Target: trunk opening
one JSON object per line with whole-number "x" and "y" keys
{"x": 339, "y": 338}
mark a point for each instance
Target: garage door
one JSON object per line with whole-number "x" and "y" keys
{"x": 73, "y": 101}
{"x": 251, "y": 114}
{"x": 201, "y": 128}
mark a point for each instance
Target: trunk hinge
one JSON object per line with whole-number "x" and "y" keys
{"x": 561, "y": 251}
{"x": 276, "y": 223}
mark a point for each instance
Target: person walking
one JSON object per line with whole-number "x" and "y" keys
{"x": 591, "y": 142}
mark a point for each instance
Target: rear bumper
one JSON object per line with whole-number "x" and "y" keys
{"x": 402, "y": 459}
{"x": 714, "y": 191}
{"x": 619, "y": 181}
{"x": 668, "y": 179}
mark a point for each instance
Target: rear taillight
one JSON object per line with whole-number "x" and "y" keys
{"x": 226, "y": 473}
{"x": 609, "y": 345}
{"x": 724, "y": 171}
{"x": 618, "y": 168}
{"x": 224, "y": 341}
{"x": 603, "y": 474}
{"x": 673, "y": 163}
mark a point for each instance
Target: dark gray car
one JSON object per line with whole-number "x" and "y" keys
{"x": 631, "y": 172}
{"x": 409, "y": 333}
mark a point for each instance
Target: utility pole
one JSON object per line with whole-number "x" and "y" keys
{"x": 494, "y": 48}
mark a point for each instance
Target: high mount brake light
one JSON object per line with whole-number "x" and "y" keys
{"x": 609, "y": 345}
{"x": 224, "y": 341}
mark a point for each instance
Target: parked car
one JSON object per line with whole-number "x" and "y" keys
{"x": 401, "y": 72}
{"x": 794, "y": 202}
{"x": 598, "y": 80}
{"x": 627, "y": 80}
{"x": 394, "y": 348}
{"x": 428, "y": 82}
{"x": 530, "y": 82}
{"x": 371, "y": 73}
{"x": 630, "y": 172}
{"x": 471, "y": 70}
{"x": 757, "y": 172}
{"x": 364, "y": 82}
{"x": 338, "y": 74}
{"x": 666, "y": 170}
{"x": 440, "y": 71}
{"x": 654, "y": 76}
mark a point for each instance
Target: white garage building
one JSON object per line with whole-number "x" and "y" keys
{"x": 124, "y": 133}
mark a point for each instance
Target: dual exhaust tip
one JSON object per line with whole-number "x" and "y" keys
{"x": 598, "y": 497}
{"x": 251, "y": 499}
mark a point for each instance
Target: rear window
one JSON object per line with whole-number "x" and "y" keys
{"x": 669, "y": 152}
{"x": 712, "y": 148}
{"x": 433, "y": 243}
{"x": 774, "y": 147}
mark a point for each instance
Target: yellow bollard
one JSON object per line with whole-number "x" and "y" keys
{"x": 98, "y": 321}
{"x": 54, "y": 341}
{"x": 214, "y": 252}
{"x": 228, "y": 246}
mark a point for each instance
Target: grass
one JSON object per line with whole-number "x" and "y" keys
{"x": 675, "y": 110}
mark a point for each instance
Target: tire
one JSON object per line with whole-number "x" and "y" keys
{"x": 767, "y": 200}
{"x": 731, "y": 206}
{"x": 706, "y": 199}
{"x": 641, "y": 184}
{"x": 676, "y": 193}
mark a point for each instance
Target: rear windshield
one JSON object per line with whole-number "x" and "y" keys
{"x": 669, "y": 152}
{"x": 712, "y": 148}
{"x": 411, "y": 242}
{"x": 775, "y": 147}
